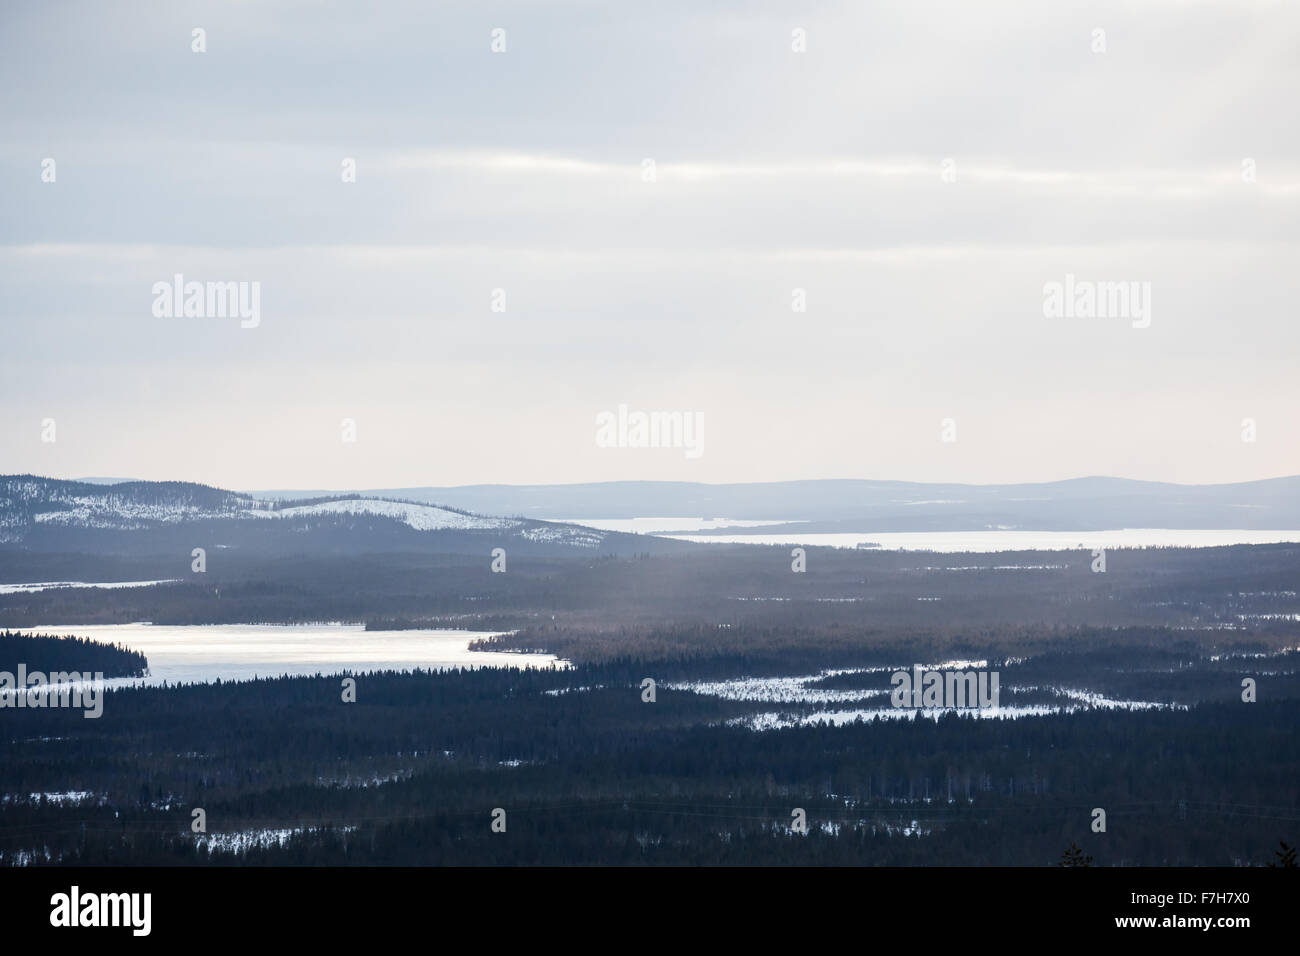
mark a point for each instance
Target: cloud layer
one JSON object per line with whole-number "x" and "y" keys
{"x": 648, "y": 187}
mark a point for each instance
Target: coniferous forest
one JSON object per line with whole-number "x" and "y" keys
{"x": 1129, "y": 687}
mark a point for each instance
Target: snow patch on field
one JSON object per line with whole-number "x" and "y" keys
{"x": 58, "y": 798}
{"x": 419, "y": 517}
{"x": 27, "y": 857}
{"x": 1093, "y": 699}
{"x": 785, "y": 690}
{"x": 838, "y": 718}
{"x": 365, "y": 782}
{"x": 47, "y": 585}
{"x": 241, "y": 841}
{"x": 561, "y": 691}
{"x": 127, "y": 515}
{"x": 566, "y": 534}
{"x": 799, "y": 690}
{"x": 841, "y": 718}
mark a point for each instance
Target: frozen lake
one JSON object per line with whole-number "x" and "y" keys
{"x": 992, "y": 540}
{"x": 660, "y": 525}
{"x": 1007, "y": 540}
{"x": 232, "y": 652}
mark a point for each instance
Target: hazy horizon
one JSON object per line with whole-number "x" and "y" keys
{"x": 390, "y": 486}
{"x": 924, "y": 242}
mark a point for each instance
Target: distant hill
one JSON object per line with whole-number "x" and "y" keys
{"x": 1078, "y": 504}
{"x": 152, "y": 518}
{"x": 155, "y": 517}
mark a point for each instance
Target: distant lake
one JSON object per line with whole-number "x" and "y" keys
{"x": 1006, "y": 540}
{"x": 660, "y": 525}
{"x": 232, "y": 652}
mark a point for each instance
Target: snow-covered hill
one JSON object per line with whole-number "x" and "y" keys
{"x": 419, "y": 517}
{"x": 28, "y": 502}
{"x": 52, "y": 514}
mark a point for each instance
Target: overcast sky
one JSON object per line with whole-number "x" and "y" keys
{"x": 774, "y": 170}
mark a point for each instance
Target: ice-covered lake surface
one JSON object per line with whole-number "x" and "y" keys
{"x": 661, "y": 525}
{"x": 800, "y": 690}
{"x": 203, "y": 653}
{"x": 1006, "y": 539}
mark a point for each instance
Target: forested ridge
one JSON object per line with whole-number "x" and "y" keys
{"x": 411, "y": 771}
{"x": 587, "y": 771}
{"x": 49, "y": 653}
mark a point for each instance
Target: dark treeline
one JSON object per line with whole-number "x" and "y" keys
{"x": 49, "y": 653}
{"x": 588, "y": 772}
{"x": 717, "y": 599}
{"x": 411, "y": 772}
